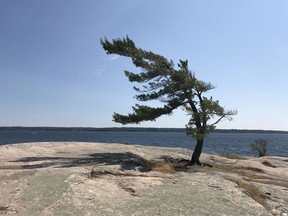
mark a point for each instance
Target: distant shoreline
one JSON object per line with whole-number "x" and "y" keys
{"x": 138, "y": 129}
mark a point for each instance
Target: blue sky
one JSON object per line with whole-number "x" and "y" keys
{"x": 54, "y": 71}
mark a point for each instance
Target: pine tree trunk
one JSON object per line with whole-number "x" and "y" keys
{"x": 197, "y": 152}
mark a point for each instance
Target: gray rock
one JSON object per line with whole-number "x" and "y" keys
{"x": 115, "y": 179}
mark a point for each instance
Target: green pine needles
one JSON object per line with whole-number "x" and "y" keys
{"x": 176, "y": 87}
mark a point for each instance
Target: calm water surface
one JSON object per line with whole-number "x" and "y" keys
{"x": 233, "y": 143}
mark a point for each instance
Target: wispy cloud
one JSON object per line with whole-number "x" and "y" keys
{"x": 105, "y": 58}
{"x": 113, "y": 57}
{"x": 100, "y": 71}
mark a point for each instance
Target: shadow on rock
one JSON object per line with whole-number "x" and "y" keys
{"x": 126, "y": 160}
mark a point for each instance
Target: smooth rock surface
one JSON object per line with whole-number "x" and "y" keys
{"x": 116, "y": 179}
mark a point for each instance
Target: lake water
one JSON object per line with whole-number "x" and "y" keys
{"x": 232, "y": 143}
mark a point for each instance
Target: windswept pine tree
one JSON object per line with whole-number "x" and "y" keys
{"x": 174, "y": 86}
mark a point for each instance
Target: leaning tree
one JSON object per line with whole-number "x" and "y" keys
{"x": 174, "y": 86}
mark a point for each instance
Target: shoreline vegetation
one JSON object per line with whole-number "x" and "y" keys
{"x": 138, "y": 129}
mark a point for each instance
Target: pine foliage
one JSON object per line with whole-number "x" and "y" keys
{"x": 176, "y": 87}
